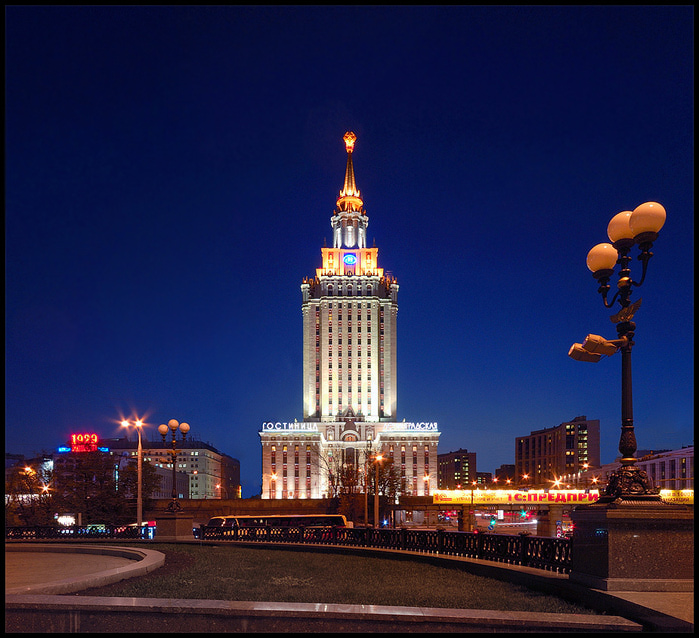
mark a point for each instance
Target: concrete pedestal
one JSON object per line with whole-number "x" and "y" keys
{"x": 174, "y": 527}
{"x": 633, "y": 546}
{"x": 546, "y": 521}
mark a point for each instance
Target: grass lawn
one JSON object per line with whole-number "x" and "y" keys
{"x": 227, "y": 572}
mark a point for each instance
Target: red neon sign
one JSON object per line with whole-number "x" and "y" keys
{"x": 83, "y": 442}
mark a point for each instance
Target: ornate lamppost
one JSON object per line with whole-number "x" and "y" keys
{"x": 629, "y": 539}
{"x": 172, "y": 426}
{"x": 640, "y": 226}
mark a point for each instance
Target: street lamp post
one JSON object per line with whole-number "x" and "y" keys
{"x": 629, "y": 539}
{"x": 640, "y": 226}
{"x": 472, "y": 511}
{"x": 139, "y": 498}
{"x": 366, "y": 489}
{"x": 377, "y": 460}
{"x": 173, "y": 425}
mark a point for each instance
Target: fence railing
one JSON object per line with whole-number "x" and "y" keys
{"x": 79, "y": 532}
{"x": 552, "y": 554}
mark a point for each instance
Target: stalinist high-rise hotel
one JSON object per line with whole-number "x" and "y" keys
{"x": 350, "y": 313}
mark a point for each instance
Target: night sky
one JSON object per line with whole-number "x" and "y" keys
{"x": 171, "y": 173}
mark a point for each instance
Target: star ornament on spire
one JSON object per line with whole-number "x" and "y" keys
{"x": 350, "y": 138}
{"x": 350, "y": 198}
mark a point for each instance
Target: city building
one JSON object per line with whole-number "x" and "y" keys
{"x": 544, "y": 456}
{"x": 457, "y": 470}
{"x": 484, "y": 478}
{"x": 209, "y": 472}
{"x": 505, "y": 474}
{"x": 670, "y": 469}
{"x": 349, "y": 311}
{"x": 667, "y": 469}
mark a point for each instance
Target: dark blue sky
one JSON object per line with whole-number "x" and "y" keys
{"x": 171, "y": 173}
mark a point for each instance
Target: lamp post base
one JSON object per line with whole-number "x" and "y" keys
{"x": 633, "y": 543}
{"x": 174, "y": 526}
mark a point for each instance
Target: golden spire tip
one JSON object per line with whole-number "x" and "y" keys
{"x": 350, "y": 138}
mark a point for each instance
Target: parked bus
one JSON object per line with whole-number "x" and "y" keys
{"x": 274, "y": 520}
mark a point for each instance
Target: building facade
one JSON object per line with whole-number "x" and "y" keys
{"x": 457, "y": 470}
{"x": 667, "y": 469}
{"x": 544, "y": 456}
{"x": 671, "y": 469}
{"x": 349, "y": 314}
{"x": 209, "y": 473}
{"x": 505, "y": 474}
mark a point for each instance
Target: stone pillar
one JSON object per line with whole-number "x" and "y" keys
{"x": 633, "y": 546}
{"x": 546, "y": 521}
{"x": 175, "y": 526}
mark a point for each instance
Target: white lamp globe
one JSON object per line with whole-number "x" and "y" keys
{"x": 647, "y": 218}
{"x": 602, "y": 257}
{"x": 619, "y": 227}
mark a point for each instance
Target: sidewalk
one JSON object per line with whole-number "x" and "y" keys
{"x": 55, "y": 569}
{"x": 34, "y": 572}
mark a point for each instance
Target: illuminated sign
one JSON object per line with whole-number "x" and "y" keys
{"x": 83, "y": 442}
{"x": 279, "y": 426}
{"x": 515, "y": 497}
{"x": 410, "y": 427}
{"x": 282, "y": 426}
{"x": 350, "y": 259}
{"x": 681, "y": 497}
{"x": 540, "y": 497}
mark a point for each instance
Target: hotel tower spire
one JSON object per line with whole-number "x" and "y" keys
{"x": 349, "y": 222}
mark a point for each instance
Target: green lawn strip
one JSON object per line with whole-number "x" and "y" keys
{"x": 263, "y": 574}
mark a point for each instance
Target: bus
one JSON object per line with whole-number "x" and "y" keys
{"x": 275, "y": 520}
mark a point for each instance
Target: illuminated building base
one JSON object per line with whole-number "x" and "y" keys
{"x": 307, "y": 459}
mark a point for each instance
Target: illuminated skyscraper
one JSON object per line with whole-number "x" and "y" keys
{"x": 349, "y": 321}
{"x": 350, "y": 313}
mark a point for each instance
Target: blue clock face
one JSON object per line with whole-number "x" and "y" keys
{"x": 350, "y": 259}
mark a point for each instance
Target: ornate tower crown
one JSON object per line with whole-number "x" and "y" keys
{"x": 350, "y": 198}
{"x": 349, "y": 222}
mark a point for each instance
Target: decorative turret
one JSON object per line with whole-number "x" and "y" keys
{"x": 349, "y": 222}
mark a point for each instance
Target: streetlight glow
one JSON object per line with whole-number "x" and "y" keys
{"x": 138, "y": 424}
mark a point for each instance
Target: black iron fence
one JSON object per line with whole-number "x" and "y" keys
{"x": 552, "y": 554}
{"x": 79, "y": 532}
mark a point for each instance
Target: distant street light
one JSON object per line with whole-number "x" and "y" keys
{"x": 139, "y": 499}
{"x": 640, "y": 226}
{"x": 377, "y": 460}
{"x": 472, "y": 512}
{"x": 173, "y": 425}
{"x": 273, "y": 486}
